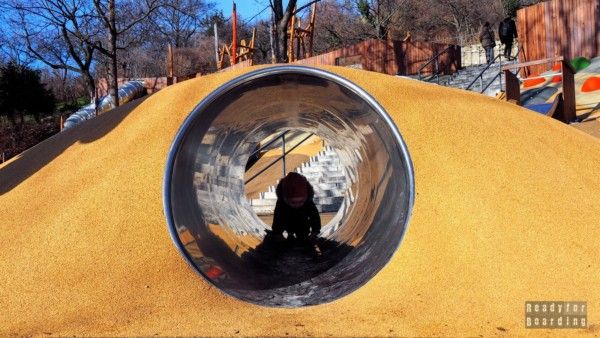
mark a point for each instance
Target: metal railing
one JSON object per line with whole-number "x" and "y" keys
{"x": 435, "y": 58}
{"x": 282, "y": 157}
{"x": 520, "y": 51}
{"x": 479, "y": 76}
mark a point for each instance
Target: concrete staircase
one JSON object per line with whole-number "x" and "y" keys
{"x": 328, "y": 178}
{"x": 465, "y": 76}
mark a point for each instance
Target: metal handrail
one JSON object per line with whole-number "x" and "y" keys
{"x": 490, "y": 83}
{"x": 257, "y": 151}
{"x": 282, "y": 135}
{"x": 437, "y": 64}
{"x": 521, "y": 50}
{"x": 480, "y": 75}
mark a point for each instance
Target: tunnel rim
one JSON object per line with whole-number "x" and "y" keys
{"x": 222, "y": 90}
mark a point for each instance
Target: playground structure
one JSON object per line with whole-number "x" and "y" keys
{"x": 562, "y": 106}
{"x": 567, "y": 90}
{"x": 539, "y": 32}
{"x": 127, "y": 92}
{"x": 96, "y": 234}
{"x": 567, "y": 28}
{"x": 300, "y": 39}
{"x": 394, "y": 57}
{"x": 235, "y": 52}
{"x": 243, "y": 52}
{"x": 206, "y": 138}
{"x": 300, "y": 42}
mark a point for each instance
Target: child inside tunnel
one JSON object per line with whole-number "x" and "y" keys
{"x": 295, "y": 211}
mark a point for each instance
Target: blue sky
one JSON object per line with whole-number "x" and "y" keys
{"x": 246, "y": 9}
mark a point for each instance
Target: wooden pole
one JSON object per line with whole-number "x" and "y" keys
{"x": 292, "y": 31}
{"x": 298, "y": 42}
{"x": 568, "y": 92}
{"x": 252, "y": 46}
{"x": 169, "y": 65}
{"x": 271, "y": 42}
{"x": 311, "y": 28}
{"x": 216, "y": 44}
{"x": 513, "y": 87}
{"x": 61, "y": 122}
{"x": 234, "y": 42}
{"x": 253, "y": 38}
{"x": 170, "y": 70}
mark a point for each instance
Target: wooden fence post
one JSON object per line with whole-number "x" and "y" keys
{"x": 513, "y": 87}
{"x": 568, "y": 91}
{"x": 170, "y": 68}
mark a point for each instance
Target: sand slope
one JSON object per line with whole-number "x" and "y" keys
{"x": 506, "y": 211}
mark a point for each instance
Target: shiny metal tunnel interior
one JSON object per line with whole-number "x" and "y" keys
{"x": 212, "y": 223}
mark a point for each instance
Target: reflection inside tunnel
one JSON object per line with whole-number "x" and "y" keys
{"x": 220, "y": 206}
{"x": 307, "y": 154}
{"x": 321, "y": 186}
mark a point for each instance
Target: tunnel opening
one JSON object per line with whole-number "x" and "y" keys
{"x": 214, "y": 222}
{"x": 309, "y": 155}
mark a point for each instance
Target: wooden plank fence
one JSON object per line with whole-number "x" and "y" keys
{"x": 568, "y": 28}
{"x": 391, "y": 57}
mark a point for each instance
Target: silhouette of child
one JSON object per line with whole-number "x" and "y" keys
{"x": 295, "y": 212}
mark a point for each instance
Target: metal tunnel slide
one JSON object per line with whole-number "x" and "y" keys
{"x": 128, "y": 91}
{"x": 214, "y": 226}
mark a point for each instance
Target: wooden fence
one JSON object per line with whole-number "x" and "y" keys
{"x": 568, "y": 28}
{"x": 390, "y": 57}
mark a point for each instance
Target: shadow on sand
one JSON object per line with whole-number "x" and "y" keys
{"x": 280, "y": 262}
{"x": 35, "y": 158}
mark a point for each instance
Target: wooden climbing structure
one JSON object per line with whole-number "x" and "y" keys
{"x": 236, "y": 52}
{"x": 300, "y": 39}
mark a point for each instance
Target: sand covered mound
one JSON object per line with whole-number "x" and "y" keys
{"x": 506, "y": 210}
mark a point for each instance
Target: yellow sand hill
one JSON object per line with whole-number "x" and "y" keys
{"x": 507, "y": 210}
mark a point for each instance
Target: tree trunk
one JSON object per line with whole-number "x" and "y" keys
{"x": 91, "y": 87}
{"x": 281, "y": 26}
{"x": 281, "y": 41}
{"x": 114, "y": 85}
{"x": 114, "y": 80}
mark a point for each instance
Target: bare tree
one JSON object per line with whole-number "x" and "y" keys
{"x": 12, "y": 49}
{"x": 281, "y": 19}
{"x": 179, "y": 21}
{"x": 61, "y": 34}
{"x": 465, "y": 17}
{"x": 338, "y": 24}
{"x": 131, "y": 14}
{"x": 388, "y": 18}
